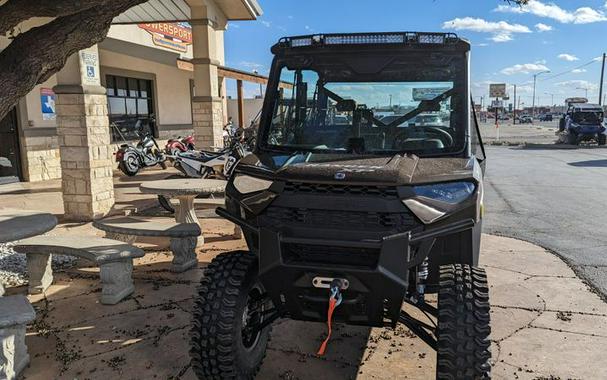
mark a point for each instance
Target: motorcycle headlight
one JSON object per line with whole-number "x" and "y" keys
{"x": 451, "y": 192}
{"x": 246, "y": 184}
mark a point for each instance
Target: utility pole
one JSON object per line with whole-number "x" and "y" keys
{"x": 534, "y": 81}
{"x": 601, "y": 85}
{"x": 514, "y": 108}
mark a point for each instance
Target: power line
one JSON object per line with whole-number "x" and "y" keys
{"x": 568, "y": 71}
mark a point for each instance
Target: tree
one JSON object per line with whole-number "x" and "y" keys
{"x": 34, "y": 56}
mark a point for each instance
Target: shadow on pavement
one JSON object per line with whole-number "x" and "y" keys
{"x": 556, "y": 147}
{"x": 590, "y": 164}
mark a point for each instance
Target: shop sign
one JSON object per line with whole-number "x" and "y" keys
{"x": 497, "y": 90}
{"x": 174, "y": 36}
{"x": 428, "y": 93}
{"x": 47, "y": 102}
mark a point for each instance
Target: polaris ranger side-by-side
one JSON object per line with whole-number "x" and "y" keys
{"x": 352, "y": 206}
{"x": 582, "y": 122}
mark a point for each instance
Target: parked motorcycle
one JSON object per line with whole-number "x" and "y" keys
{"x": 146, "y": 153}
{"x": 206, "y": 164}
{"x": 179, "y": 145}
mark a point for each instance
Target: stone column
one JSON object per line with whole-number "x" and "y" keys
{"x": 84, "y": 138}
{"x": 207, "y": 104}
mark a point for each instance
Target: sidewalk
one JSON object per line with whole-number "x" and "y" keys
{"x": 545, "y": 324}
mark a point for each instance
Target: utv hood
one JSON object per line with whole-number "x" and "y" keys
{"x": 356, "y": 169}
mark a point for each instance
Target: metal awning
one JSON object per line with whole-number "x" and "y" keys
{"x": 154, "y": 11}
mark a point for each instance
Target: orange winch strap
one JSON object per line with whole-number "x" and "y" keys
{"x": 332, "y": 306}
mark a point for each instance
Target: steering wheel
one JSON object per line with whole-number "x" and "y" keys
{"x": 443, "y": 135}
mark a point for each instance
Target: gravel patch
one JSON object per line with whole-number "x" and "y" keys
{"x": 13, "y": 265}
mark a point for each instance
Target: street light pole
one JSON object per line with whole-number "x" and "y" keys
{"x": 551, "y": 101}
{"x": 583, "y": 88}
{"x": 602, "y": 79}
{"x": 534, "y": 82}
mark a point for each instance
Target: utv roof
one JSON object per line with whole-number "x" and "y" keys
{"x": 394, "y": 39}
{"x": 588, "y": 107}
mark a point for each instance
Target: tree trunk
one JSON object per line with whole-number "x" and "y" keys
{"x": 37, "y": 54}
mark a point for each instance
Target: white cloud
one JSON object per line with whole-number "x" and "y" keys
{"x": 568, "y": 57}
{"x": 482, "y": 44}
{"x": 583, "y": 15}
{"x": 265, "y": 23}
{"x": 252, "y": 66}
{"x": 525, "y": 68}
{"x": 578, "y": 71}
{"x": 501, "y": 30}
{"x": 543, "y": 27}
{"x": 574, "y": 84}
{"x": 501, "y": 37}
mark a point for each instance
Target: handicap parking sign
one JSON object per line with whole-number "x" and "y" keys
{"x": 90, "y": 71}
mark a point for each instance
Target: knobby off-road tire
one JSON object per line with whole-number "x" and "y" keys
{"x": 601, "y": 139}
{"x": 463, "y": 324}
{"x": 219, "y": 349}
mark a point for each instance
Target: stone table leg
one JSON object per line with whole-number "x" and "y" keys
{"x": 40, "y": 272}
{"x": 186, "y": 213}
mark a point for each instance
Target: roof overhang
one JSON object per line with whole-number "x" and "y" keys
{"x": 154, "y": 11}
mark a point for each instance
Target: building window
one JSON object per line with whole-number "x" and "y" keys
{"x": 130, "y": 107}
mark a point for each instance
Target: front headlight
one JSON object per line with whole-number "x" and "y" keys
{"x": 246, "y": 184}
{"x": 450, "y": 192}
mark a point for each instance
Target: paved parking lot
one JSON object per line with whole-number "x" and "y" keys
{"x": 553, "y": 197}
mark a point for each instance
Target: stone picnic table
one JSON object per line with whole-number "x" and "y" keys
{"x": 185, "y": 190}
{"x": 20, "y": 224}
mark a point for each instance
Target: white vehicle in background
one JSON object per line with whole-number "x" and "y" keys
{"x": 427, "y": 119}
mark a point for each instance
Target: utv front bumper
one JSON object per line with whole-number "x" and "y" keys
{"x": 377, "y": 283}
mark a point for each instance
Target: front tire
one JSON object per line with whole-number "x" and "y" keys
{"x": 228, "y": 300}
{"x": 601, "y": 139}
{"x": 129, "y": 165}
{"x": 463, "y": 324}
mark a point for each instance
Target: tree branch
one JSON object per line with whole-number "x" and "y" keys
{"x": 37, "y": 54}
{"x": 14, "y": 12}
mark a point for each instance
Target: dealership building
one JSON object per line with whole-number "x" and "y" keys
{"x": 162, "y": 66}
{"x": 157, "y": 73}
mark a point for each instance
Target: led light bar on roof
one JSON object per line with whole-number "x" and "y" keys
{"x": 370, "y": 38}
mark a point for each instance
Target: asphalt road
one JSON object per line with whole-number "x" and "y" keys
{"x": 555, "y": 198}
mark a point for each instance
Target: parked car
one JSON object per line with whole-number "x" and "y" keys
{"x": 546, "y": 117}
{"x": 525, "y": 119}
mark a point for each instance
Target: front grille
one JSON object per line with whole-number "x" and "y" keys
{"x": 387, "y": 192}
{"x": 327, "y": 255}
{"x": 339, "y": 219}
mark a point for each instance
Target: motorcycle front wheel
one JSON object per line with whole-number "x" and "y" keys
{"x": 129, "y": 165}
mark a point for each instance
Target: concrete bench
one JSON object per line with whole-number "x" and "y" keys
{"x": 184, "y": 236}
{"x": 114, "y": 258}
{"x": 15, "y": 313}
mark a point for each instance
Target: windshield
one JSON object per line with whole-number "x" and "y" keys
{"x": 387, "y": 117}
{"x": 588, "y": 117}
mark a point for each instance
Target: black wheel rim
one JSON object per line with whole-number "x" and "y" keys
{"x": 131, "y": 163}
{"x": 252, "y": 316}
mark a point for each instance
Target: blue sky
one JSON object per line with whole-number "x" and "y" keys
{"x": 509, "y": 44}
